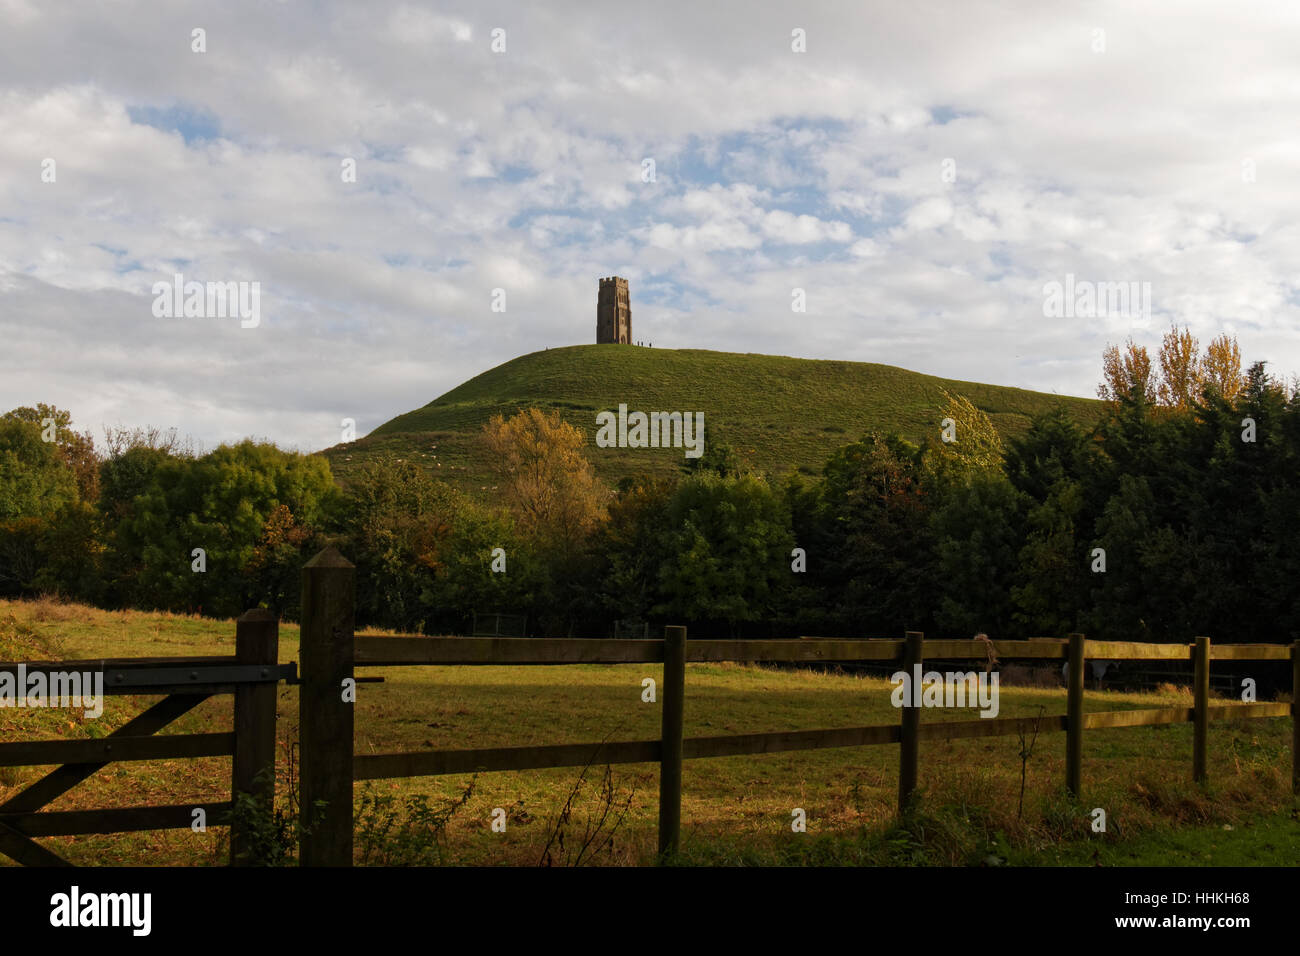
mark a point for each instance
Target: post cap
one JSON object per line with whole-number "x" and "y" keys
{"x": 330, "y": 558}
{"x": 255, "y": 614}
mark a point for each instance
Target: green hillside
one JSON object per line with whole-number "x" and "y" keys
{"x": 780, "y": 413}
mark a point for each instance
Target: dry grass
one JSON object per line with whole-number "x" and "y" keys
{"x": 735, "y": 809}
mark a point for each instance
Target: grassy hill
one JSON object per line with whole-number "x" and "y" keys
{"x": 780, "y": 413}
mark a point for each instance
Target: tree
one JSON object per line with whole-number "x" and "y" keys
{"x": 1059, "y": 468}
{"x": 399, "y": 521}
{"x": 35, "y": 481}
{"x": 1051, "y": 593}
{"x": 70, "y": 553}
{"x": 805, "y": 602}
{"x": 875, "y": 511}
{"x": 125, "y": 476}
{"x": 1054, "y": 447}
{"x": 727, "y": 544}
{"x": 1122, "y": 593}
{"x": 632, "y": 547}
{"x": 977, "y": 539}
{"x": 557, "y": 503}
{"x": 547, "y": 482}
{"x": 1181, "y": 373}
{"x": 133, "y": 457}
{"x": 119, "y": 439}
{"x": 75, "y": 449}
{"x": 1128, "y": 430}
{"x": 275, "y": 567}
{"x": 1222, "y": 367}
{"x": 220, "y": 503}
{"x": 1127, "y": 375}
{"x": 466, "y": 582}
{"x": 20, "y": 554}
{"x": 719, "y": 458}
{"x": 975, "y": 448}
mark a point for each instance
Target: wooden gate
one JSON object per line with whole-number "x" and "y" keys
{"x": 251, "y": 676}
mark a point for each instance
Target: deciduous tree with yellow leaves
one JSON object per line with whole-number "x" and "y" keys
{"x": 546, "y": 480}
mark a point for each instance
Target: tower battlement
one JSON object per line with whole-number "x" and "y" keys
{"x": 613, "y": 311}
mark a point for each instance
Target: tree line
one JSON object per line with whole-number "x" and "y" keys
{"x": 1173, "y": 514}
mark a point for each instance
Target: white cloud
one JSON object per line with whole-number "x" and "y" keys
{"x": 821, "y": 170}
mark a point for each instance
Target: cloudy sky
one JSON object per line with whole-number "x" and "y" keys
{"x": 921, "y": 171}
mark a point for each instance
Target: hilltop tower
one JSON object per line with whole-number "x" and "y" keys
{"x": 613, "y": 312}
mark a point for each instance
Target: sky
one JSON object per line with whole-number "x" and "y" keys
{"x": 922, "y": 172}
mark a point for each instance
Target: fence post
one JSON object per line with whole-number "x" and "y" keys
{"x": 1295, "y": 717}
{"x": 670, "y": 759}
{"x": 324, "y": 718}
{"x": 1201, "y": 715}
{"x": 257, "y": 641}
{"x": 1074, "y": 719}
{"x": 909, "y": 743}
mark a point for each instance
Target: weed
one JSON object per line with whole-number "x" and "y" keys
{"x": 409, "y": 832}
{"x": 275, "y": 830}
{"x": 598, "y": 829}
{"x": 1026, "y": 751}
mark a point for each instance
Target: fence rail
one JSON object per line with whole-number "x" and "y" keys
{"x": 331, "y": 653}
{"x": 432, "y": 763}
{"x": 374, "y": 650}
{"x": 34, "y": 753}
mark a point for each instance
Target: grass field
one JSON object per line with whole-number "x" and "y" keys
{"x": 736, "y": 810}
{"x": 781, "y": 414}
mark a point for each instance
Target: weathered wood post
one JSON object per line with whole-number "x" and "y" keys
{"x": 909, "y": 742}
{"x": 1074, "y": 718}
{"x": 324, "y": 717}
{"x": 670, "y": 758}
{"x": 257, "y": 641}
{"x": 1295, "y": 717}
{"x": 1201, "y": 715}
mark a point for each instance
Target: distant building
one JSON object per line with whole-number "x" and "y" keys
{"x": 613, "y": 312}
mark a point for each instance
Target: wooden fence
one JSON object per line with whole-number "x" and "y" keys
{"x": 251, "y": 675}
{"x": 330, "y": 652}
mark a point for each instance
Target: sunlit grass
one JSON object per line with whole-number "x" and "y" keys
{"x": 779, "y": 413}
{"x": 735, "y": 809}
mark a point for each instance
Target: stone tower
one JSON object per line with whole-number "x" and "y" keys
{"x": 613, "y": 312}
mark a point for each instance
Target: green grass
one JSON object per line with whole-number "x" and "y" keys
{"x": 736, "y": 810}
{"x": 1272, "y": 840}
{"x": 780, "y": 413}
